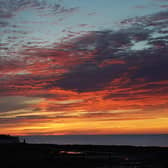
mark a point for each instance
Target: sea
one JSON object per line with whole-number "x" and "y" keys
{"x": 131, "y": 140}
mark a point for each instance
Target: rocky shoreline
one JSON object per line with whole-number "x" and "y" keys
{"x": 83, "y": 156}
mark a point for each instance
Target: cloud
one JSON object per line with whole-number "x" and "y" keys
{"x": 90, "y": 77}
{"x": 10, "y": 8}
{"x": 13, "y": 103}
{"x": 78, "y": 64}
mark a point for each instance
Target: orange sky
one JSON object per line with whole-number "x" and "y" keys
{"x": 102, "y": 74}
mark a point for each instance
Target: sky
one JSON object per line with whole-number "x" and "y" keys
{"x": 83, "y": 67}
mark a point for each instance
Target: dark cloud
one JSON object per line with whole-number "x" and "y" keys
{"x": 151, "y": 62}
{"x": 154, "y": 66}
{"x": 92, "y": 78}
{"x": 9, "y": 103}
{"x": 97, "y": 61}
{"x": 3, "y": 23}
{"x": 81, "y": 59}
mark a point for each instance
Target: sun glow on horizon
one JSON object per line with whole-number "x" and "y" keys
{"x": 103, "y": 74}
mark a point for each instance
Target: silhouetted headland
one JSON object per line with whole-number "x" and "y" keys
{"x": 8, "y": 139}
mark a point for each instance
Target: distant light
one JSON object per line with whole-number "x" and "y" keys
{"x": 70, "y": 152}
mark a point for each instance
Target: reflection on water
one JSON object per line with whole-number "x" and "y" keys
{"x": 70, "y": 152}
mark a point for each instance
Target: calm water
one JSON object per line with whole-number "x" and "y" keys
{"x": 136, "y": 140}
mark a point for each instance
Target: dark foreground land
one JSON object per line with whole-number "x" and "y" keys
{"x": 81, "y": 156}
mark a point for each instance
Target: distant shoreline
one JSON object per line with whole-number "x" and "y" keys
{"x": 128, "y": 140}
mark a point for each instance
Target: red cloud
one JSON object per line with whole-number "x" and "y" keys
{"x": 112, "y": 61}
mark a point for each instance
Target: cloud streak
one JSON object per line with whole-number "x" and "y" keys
{"x": 96, "y": 77}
